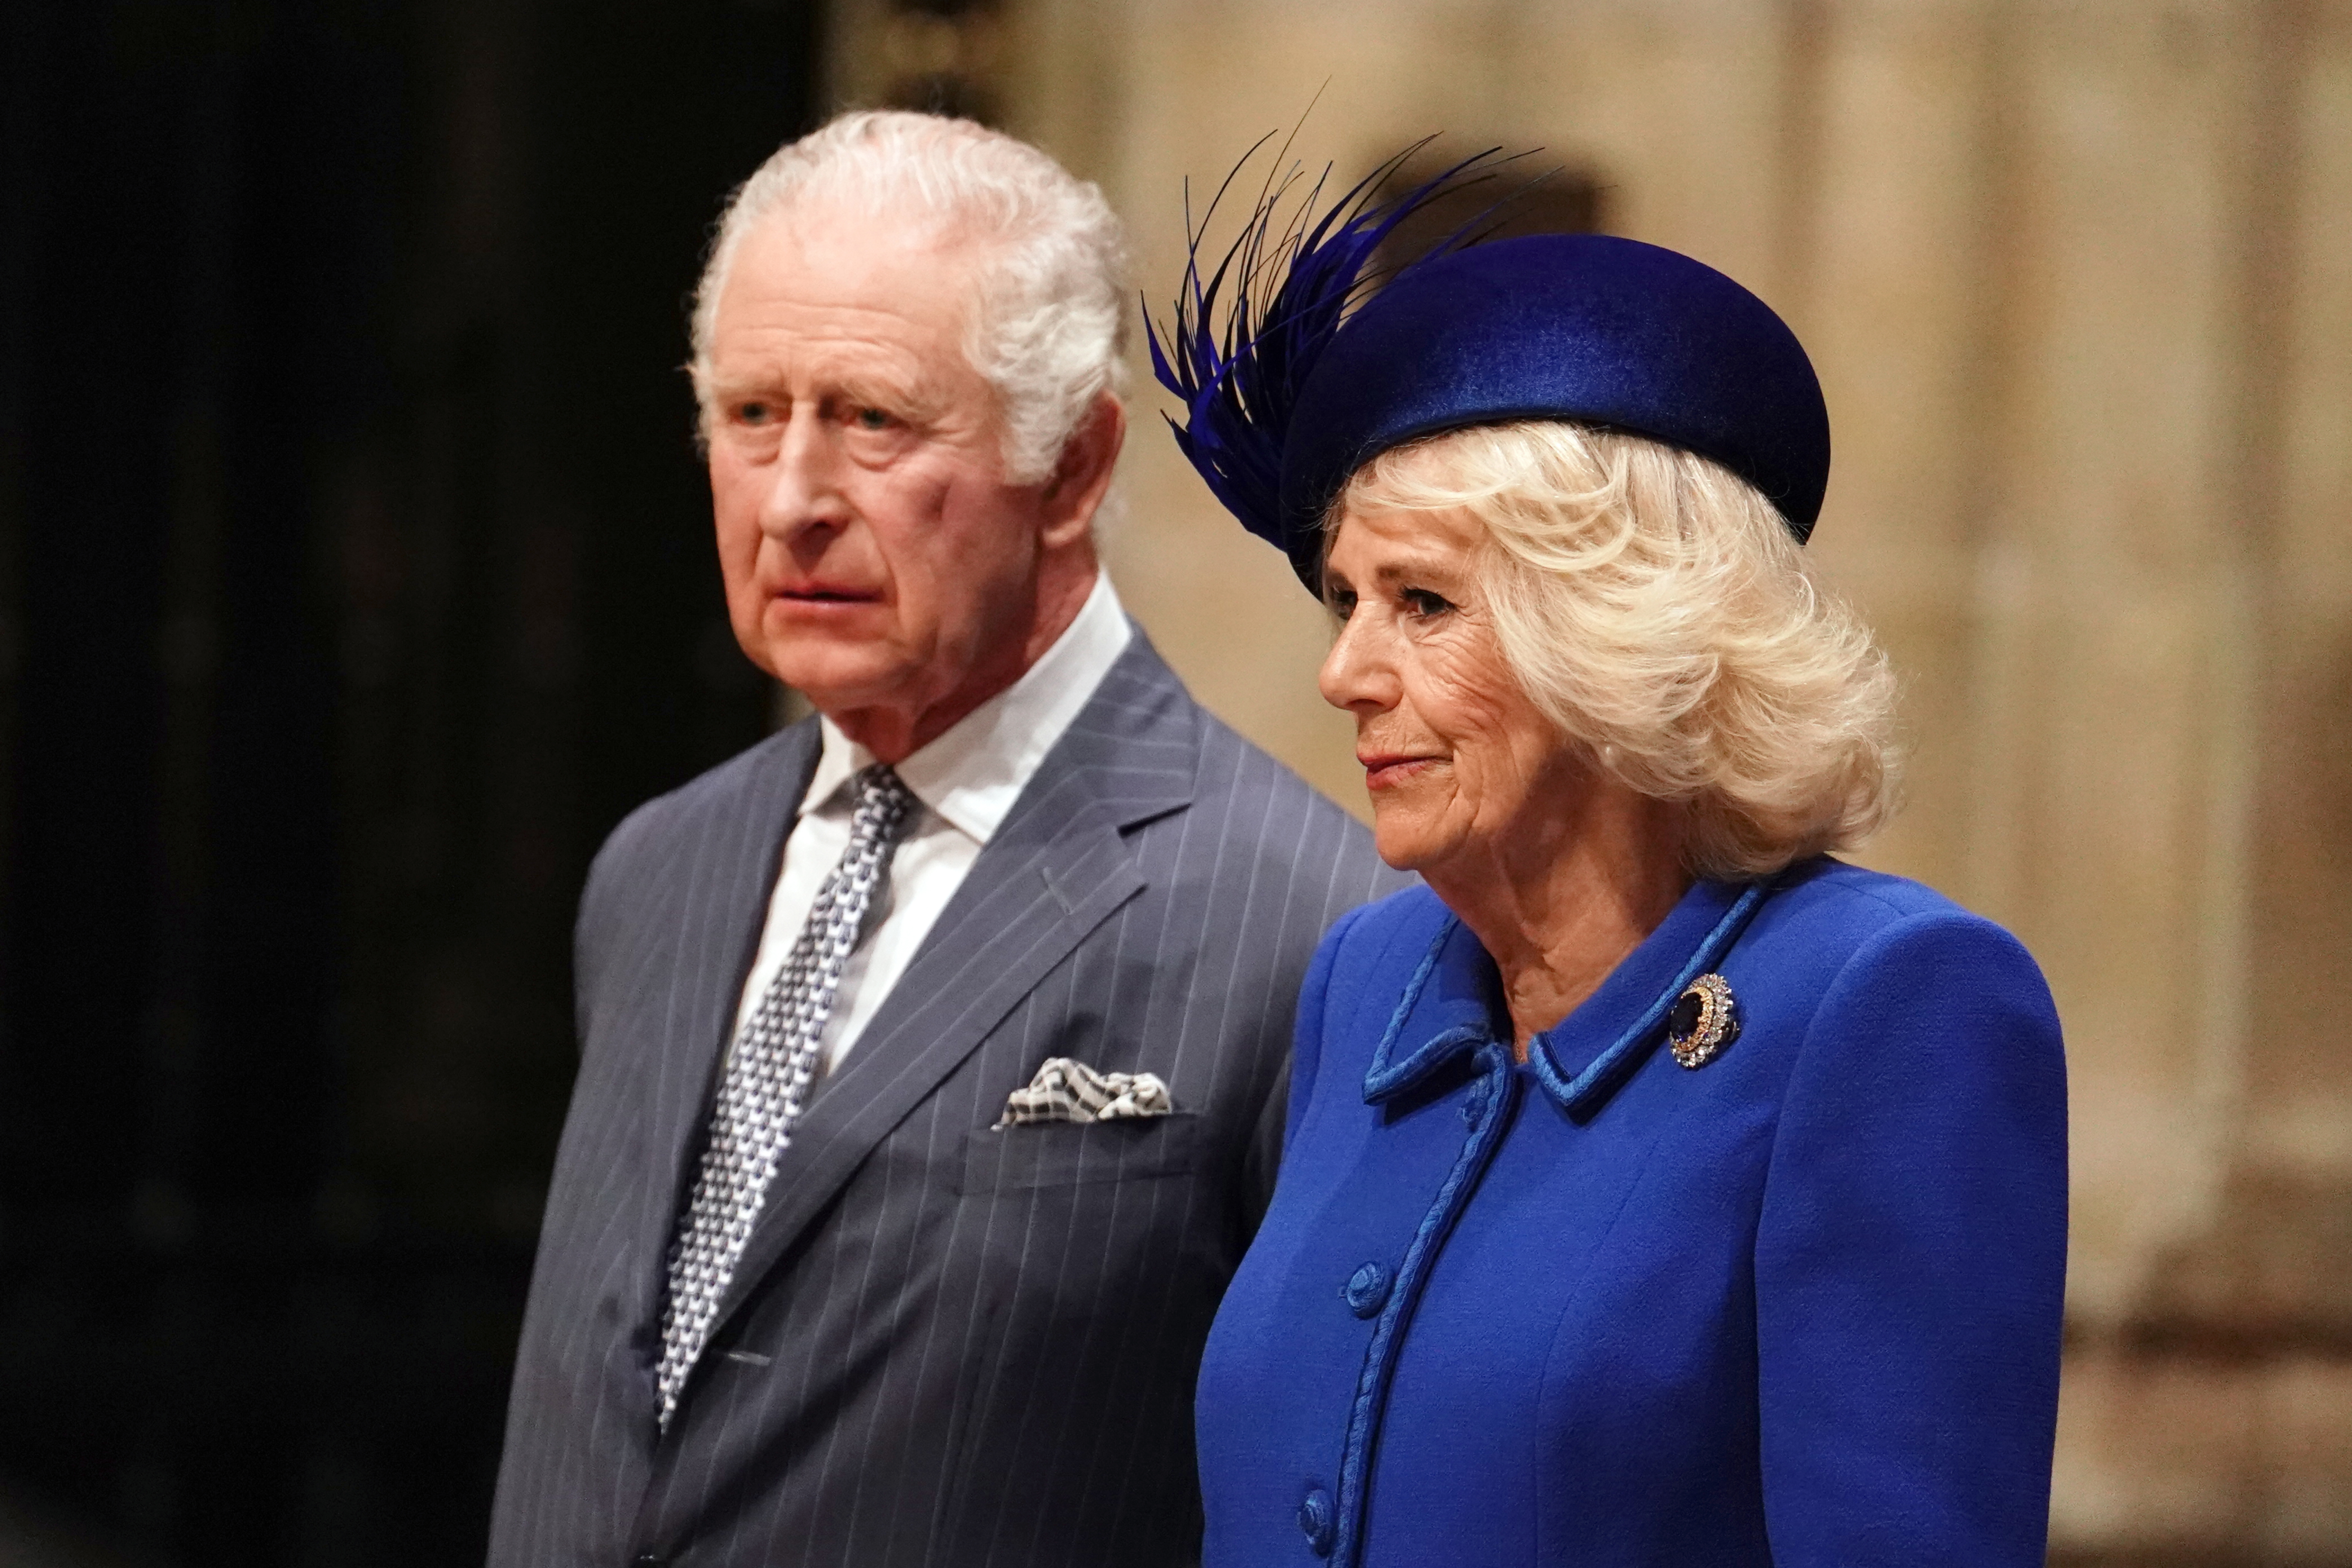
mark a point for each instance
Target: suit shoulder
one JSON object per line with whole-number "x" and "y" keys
{"x": 1259, "y": 805}
{"x": 718, "y": 795}
{"x": 1257, "y": 842}
{"x": 1237, "y": 775}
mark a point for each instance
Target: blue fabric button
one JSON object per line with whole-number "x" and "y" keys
{"x": 1318, "y": 1519}
{"x": 1367, "y": 1290}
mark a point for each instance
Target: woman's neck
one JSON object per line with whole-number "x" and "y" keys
{"x": 1559, "y": 900}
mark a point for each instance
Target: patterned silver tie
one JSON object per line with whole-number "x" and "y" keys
{"x": 767, "y": 1079}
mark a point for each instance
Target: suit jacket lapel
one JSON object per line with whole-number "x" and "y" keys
{"x": 1056, "y": 870}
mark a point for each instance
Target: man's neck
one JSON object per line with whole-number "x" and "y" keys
{"x": 894, "y": 733}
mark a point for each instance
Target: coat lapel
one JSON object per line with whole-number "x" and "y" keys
{"x": 1056, "y": 870}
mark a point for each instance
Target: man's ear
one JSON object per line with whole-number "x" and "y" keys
{"x": 1083, "y": 475}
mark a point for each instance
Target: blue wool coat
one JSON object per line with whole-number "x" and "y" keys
{"x": 1798, "y": 1306}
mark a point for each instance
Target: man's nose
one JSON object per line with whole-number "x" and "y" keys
{"x": 804, "y": 483}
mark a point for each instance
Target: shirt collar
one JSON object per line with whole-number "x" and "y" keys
{"x": 971, "y": 774}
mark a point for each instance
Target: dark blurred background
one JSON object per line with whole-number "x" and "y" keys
{"x": 354, "y": 580}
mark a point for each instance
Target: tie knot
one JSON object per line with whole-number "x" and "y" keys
{"x": 882, "y": 798}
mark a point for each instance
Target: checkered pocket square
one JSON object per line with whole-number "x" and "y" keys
{"x": 1069, "y": 1090}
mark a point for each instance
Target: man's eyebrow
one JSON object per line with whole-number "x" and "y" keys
{"x": 727, "y": 389}
{"x": 911, "y": 392}
{"x": 886, "y": 391}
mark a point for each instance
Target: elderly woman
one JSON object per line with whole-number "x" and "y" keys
{"x": 1658, "y": 1189}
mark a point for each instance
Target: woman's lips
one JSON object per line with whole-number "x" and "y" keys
{"x": 1387, "y": 772}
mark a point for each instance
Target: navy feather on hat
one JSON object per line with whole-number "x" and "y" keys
{"x": 1588, "y": 328}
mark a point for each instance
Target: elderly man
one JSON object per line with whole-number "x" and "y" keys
{"x": 932, "y": 1053}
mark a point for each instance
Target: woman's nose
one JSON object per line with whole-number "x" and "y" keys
{"x": 1358, "y": 673}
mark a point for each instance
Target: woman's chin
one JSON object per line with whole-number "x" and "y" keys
{"x": 1401, "y": 836}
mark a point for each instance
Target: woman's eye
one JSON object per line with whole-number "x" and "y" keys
{"x": 873, "y": 419}
{"x": 1425, "y": 603}
{"x": 1342, "y": 601}
{"x": 752, "y": 413}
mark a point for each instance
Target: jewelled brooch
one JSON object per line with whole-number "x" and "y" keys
{"x": 1706, "y": 1019}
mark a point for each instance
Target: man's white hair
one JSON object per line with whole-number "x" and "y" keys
{"x": 1047, "y": 325}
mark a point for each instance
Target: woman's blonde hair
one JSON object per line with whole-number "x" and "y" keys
{"x": 1653, "y": 605}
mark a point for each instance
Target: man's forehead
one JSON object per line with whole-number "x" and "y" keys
{"x": 807, "y": 257}
{"x": 829, "y": 244}
{"x": 884, "y": 299}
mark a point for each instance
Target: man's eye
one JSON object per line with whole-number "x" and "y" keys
{"x": 873, "y": 419}
{"x": 1425, "y": 603}
{"x": 753, "y": 413}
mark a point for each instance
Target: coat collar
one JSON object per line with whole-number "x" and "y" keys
{"x": 1453, "y": 1003}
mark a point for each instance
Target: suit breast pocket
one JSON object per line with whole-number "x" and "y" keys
{"x": 1069, "y": 1153}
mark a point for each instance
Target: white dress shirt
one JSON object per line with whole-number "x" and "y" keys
{"x": 964, "y": 783}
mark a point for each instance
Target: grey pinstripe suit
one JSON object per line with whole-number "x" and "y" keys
{"x": 944, "y": 1345}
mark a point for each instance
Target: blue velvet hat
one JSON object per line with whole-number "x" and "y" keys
{"x": 1290, "y": 398}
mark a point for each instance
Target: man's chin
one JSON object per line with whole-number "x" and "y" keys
{"x": 838, "y": 645}
{"x": 837, "y": 683}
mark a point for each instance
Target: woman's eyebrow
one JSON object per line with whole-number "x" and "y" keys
{"x": 1398, "y": 571}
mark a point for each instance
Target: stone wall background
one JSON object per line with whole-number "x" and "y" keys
{"x": 2077, "y": 275}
